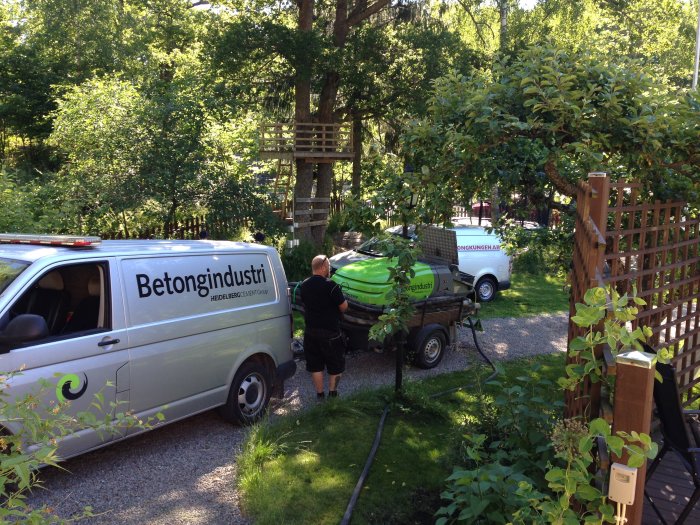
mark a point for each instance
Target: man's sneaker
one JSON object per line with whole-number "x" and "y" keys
{"x": 320, "y": 396}
{"x": 332, "y": 393}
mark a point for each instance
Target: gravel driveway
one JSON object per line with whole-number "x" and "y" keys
{"x": 184, "y": 473}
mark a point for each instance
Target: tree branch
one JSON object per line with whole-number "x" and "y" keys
{"x": 475, "y": 22}
{"x": 560, "y": 183}
{"x": 361, "y": 13}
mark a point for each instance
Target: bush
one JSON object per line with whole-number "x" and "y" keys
{"x": 43, "y": 425}
{"x": 541, "y": 250}
{"x": 527, "y": 466}
{"x": 297, "y": 261}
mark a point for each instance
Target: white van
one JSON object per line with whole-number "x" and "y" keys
{"x": 479, "y": 254}
{"x": 188, "y": 324}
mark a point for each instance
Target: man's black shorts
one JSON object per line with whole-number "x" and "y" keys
{"x": 324, "y": 352}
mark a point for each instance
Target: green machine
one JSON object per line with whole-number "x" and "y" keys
{"x": 439, "y": 292}
{"x": 367, "y": 281}
{"x": 441, "y": 295}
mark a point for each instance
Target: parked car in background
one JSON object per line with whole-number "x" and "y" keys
{"x": 479, "y": 254}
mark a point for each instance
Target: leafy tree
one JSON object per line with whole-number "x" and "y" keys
{"x": 563, "y": 114}
{"x": 362, "y": 63}
{"x": 16, "y": 203}
{"x": 101, "y": 126}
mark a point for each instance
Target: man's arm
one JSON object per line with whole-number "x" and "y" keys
{"x": 343, "y": 306}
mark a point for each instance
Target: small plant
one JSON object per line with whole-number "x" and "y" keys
{"x": 502, "y": 482}
{"x": 509, "y": 447}
{"x": 36, "y": 445}
{"x": 616, "y": 313}
{"x": 401, "y": 309}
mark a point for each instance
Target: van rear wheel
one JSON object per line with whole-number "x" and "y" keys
{"x": 249, "y": 395}
{"x": 486, "y": 289}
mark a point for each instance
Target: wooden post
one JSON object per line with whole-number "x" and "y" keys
{"x": 599, "y": 202}
{"x": 634, "y": 389}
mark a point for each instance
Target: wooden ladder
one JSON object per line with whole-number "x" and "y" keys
{"x": 283, "y": 185}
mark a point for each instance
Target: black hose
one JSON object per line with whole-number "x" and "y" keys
{"x": 365, "y": 471}
{"x": 476, "y": 343}
{"x": 370, "y": 459}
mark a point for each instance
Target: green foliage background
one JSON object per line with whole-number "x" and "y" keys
{"x": 124, "y": 115}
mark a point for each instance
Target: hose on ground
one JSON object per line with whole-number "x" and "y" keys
{"x": 365, "y": 471}
{"x": 476, "y": 343}
{"x": 380, "y": 427}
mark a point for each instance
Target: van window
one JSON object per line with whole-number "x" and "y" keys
{"x": 72, "y": 299}
{"x": 9, "y": 270}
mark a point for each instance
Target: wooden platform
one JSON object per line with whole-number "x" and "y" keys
{"x": 315, "y": 142}
{"x": 670, "y": 488}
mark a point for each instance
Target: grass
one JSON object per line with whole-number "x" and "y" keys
{"x": 303, "y": 468}
{"x": 528, "y": 295}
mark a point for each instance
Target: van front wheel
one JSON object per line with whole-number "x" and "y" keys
{"x": 486, "y": 289}
{"x": 249, "y": 395}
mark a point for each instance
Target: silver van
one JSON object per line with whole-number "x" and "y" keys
{"x": 188, "y": 324}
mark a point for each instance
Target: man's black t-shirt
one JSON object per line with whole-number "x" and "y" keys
{"x": 321, "y": 298}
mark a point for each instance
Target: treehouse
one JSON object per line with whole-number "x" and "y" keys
{"x": 313, "y": 142}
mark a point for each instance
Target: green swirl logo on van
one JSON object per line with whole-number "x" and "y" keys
{"x": 70, "y": 387}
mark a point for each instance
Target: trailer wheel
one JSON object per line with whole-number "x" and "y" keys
{"x": 249, "y": 395}
{"x": 486, "y": 289}
{"x": 428, "y": 346}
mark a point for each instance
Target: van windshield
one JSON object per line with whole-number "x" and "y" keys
{"x": 9, "y": 270}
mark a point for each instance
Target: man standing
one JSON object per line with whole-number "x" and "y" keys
{"x": 324, "y": 347}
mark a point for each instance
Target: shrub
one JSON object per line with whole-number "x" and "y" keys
{"x": 524, "y": 465}
{"x": 541, "y": 250}
{"x": 297, "y": 261}
{"x": 43, "y": 425}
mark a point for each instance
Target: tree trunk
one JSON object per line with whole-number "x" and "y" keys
{"x": 323, "y": 190}
{"x": 345, "y": 19}
{"x": 302, "y": 113}
{"x": 357, "y": 131}
{"x": 503, "y": 16}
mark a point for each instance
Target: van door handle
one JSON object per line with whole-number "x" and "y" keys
{"x": 108, "y": 342}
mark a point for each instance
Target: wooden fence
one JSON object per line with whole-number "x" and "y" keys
{"x": 625, "y": 242}
{"x": 194, "y": 228}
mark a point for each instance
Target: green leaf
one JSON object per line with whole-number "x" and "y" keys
{"x": 599, "y": 427}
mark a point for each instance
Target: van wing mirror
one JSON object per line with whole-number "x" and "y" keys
{"x": 23, "y": 329}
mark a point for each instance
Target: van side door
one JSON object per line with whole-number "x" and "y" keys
{"x": 84, "y": 352}
{"x": 192, "y": 319}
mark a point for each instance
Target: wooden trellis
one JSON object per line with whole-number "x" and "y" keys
{"x": 625, "y": 242}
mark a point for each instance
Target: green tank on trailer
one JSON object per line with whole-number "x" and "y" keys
{"x": 368, "y": 281}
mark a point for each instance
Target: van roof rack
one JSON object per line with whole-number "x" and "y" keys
{"x": 50, "y": 240}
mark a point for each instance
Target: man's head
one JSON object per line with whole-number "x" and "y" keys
{"x": 320, "y": 265}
